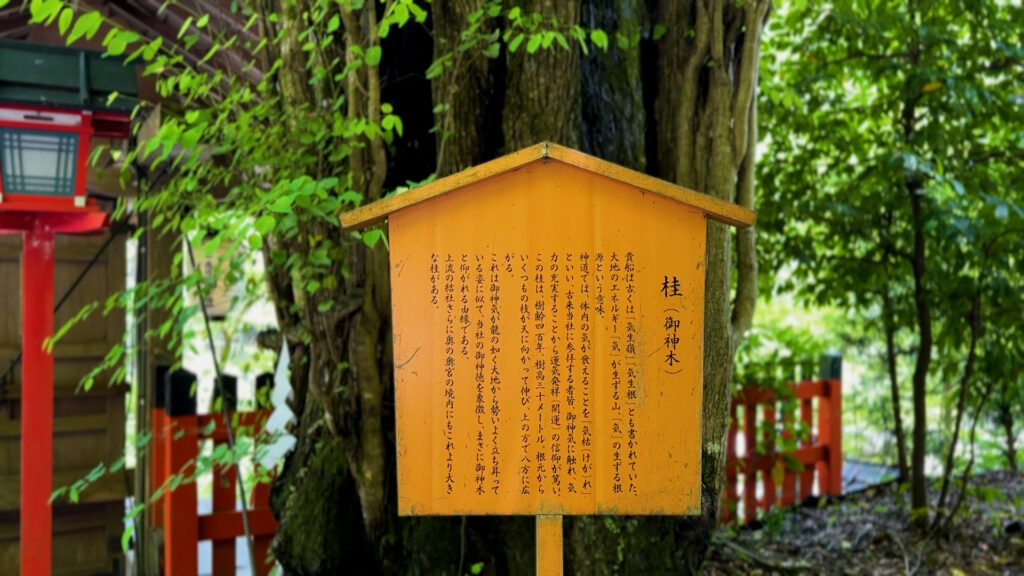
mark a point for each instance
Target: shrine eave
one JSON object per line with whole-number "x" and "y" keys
{"x": 715, "y": 209}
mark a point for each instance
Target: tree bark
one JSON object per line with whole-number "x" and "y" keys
{"x": 918, "y": 488}
{"x": 974, "y": 324}
{"x": 464, "y": 91}
{"x": 894, "y": 385}
{"x": 1006, "y": 420}
{"x": 542, "y": 93}
{"x": 705, "y": 103}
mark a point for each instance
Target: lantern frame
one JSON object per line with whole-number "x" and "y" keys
{"x": 81, "y": 214}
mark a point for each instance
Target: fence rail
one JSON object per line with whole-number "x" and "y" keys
{"x": 178, "y": 434}
{"x": 762, "y": 476}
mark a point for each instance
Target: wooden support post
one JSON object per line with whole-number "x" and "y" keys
{"x": 36, "y": 543}
{"x": 181, "y": 528}
{"x": 549, "y": 545}
{"x": 225, "y": 481}
{"x": 156, "y": 260}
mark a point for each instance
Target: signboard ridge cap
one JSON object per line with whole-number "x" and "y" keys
{"x": 713, "y": 208}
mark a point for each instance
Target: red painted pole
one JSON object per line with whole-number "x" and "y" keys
{"x": 261, "y": 543}
{"x": 181, "y": 526}
{"x": 224, "y": 484}
{"x": 36, "y": 403}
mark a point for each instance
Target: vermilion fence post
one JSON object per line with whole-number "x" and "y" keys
{"x": 819, "y": 451}
{"x": 807, "y": 418}
{"x": 750, "y": 473}
{"x": 224, "y": 482}
{"x": 181, "y": 531}
{"x": 789, "y": 483}
{"x": 261, "y": 542}
{"x": 261, "y": 491}
{"x": 157, "y": 418}
{"x": 770, "y": 453}
{"x": 835, "y": 440}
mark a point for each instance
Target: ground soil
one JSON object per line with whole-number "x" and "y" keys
{"x": 868, "y": 533}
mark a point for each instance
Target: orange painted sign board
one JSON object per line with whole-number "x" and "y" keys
{"x": 548, "y": 324}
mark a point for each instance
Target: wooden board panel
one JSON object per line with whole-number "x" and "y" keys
{"x": 85, "y": 542}
{"x": 548, "y": 328}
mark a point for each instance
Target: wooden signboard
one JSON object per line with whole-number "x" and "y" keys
{"x": 548, "y": 322}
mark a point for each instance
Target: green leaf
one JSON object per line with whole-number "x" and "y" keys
{"x": 373, "y": 56}
{"x": 149, "y": 52}
{"x": 599, "y": 38}
{"x": 492, "y": 50}
{"x": 659, "y": 31}
{"x": 283, "y": 204}
{"x": 66, "y": 16}
{"x": 333, "y": 24}
{"x": 184, "y": 27}
{"x": 514, "y": 44}
{"x": 116, "y": 46}
{"x": 126, "y": 537}
{"x": 476, "y": 569}
{"x": 265, "y": 224}
{"x": 87, "y": 25}
{"x": 371, "y": 237}
{"x": 418, "y": 13}
{"x": 534, "y": 43}
{"x": 203, "y": 21}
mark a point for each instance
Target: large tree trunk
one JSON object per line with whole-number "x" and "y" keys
{"x": 336, "y": 495}
{"x": 706, "y": 115}
{"x": 542, "y": 93}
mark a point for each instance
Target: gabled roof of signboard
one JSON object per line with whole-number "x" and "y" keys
{"x": 715, "y": 209}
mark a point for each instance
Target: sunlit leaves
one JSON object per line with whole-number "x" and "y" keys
{"x": 863, "y": 111}
{"x": 373, "y": 55}
{"x": 87, "y": 25}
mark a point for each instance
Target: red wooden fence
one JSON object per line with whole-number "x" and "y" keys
{"x": 820, "y": 451}
{"x": 178, "y": 436}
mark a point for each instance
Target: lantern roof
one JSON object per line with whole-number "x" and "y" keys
{"x": 54, "y": 76}
{"x": 714, "y": 208}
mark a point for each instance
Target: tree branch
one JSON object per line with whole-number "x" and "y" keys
{"x": 746, "y": 256}
{"x": 746, "y": 84}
